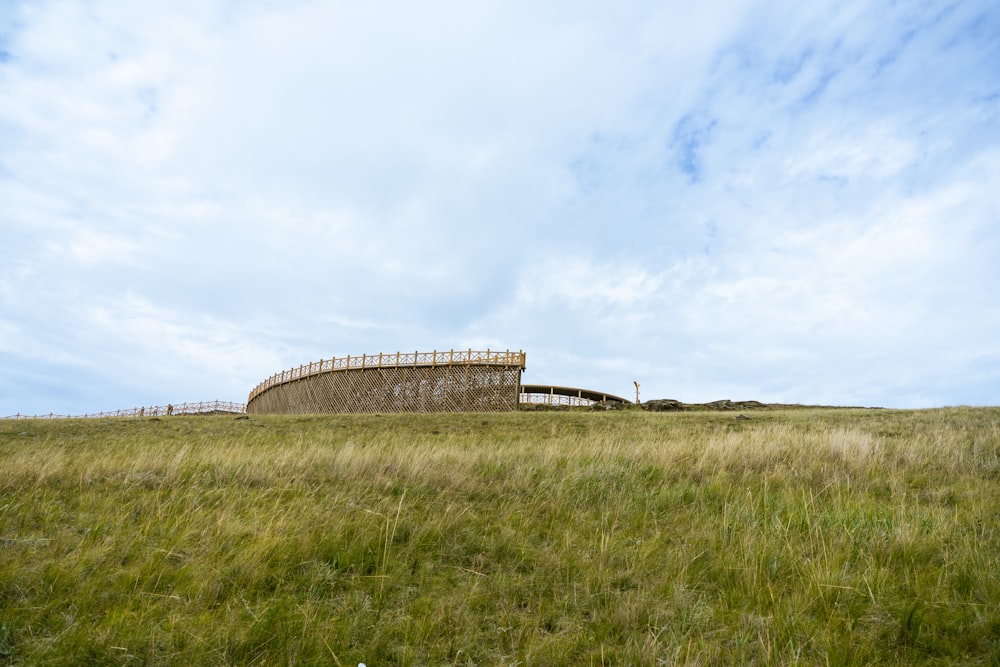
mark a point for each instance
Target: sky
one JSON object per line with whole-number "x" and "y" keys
{"x": 771, "y": 200}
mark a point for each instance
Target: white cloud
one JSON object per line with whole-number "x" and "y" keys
{"x": 94, "y": 247}
{"x": 791, "y": 200}
{"x": 582, "y": 283}
{"x": 873, "y": 153}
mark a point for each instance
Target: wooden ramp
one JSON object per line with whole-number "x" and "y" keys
{"x": 553, "y": 395}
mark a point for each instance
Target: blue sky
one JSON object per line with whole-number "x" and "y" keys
{"x": 774, "y": 200}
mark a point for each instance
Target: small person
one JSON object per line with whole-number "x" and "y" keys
{"x": 170, "y": 409}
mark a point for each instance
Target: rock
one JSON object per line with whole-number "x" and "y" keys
{"x": 663, "y": 405}
{"x": 607, "y": 405}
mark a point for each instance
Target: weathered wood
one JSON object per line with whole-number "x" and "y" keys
{"x": 552, "y": 395}
{"x": 418, "y": 382}
{"x": 202, "y": 407}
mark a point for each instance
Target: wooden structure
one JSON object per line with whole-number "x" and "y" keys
{"x": 452, "y": 381}
{"x": 200, "y": 408}
{"x": 571, "y": 396}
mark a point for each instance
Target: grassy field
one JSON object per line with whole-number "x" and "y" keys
{"x": 813, "y": 537}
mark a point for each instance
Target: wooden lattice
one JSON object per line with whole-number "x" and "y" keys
{"x": 571, "y": 396}
{"x": 453, "y": 381}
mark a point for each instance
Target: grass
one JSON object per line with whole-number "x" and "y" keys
{"x": 813, "y": 537}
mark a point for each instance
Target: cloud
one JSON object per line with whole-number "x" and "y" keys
{"x": 780, "y": 200}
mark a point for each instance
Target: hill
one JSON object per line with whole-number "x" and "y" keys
{"x": 798, "y": 536}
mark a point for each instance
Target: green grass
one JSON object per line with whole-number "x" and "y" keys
{"x": 813, "y": 537}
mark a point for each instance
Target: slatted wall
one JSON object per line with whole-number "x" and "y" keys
{"x": 467, "y": 382}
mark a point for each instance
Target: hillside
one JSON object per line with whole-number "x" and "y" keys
{"x": 798, "y": 536}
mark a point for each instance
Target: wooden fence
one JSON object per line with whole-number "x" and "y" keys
{"x": 204, "y": 407}
{"x": 452, "y": 381}
{"x": 571, "y": 396}
{"x": 554, "y": 400}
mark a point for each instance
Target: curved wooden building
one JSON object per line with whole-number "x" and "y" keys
{"x": 452, "y": 381}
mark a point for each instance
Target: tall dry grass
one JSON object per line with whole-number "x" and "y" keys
{"x": 795, "y": 537}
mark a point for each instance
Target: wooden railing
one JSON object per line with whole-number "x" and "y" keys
{"x": 553, "y": 400}
{"x": 553, "y": 395}
{"x": 397, "y": 360}
{"x": 203, "y": 407}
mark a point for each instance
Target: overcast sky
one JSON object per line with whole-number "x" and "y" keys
{"x": 777, "y": 200}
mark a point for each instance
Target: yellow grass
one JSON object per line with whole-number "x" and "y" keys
{"x": 795, "y": 537}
